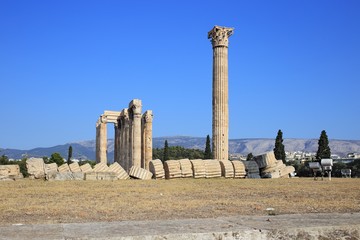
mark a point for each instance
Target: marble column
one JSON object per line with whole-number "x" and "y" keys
{"x": 220, "y": 107}
{"x": 101, "y": 140}
{"x": 124, "y": 139}
{"x": 135, "y": 117}
{"x": 117, "y": 150}
{"x": 146, "y": 147}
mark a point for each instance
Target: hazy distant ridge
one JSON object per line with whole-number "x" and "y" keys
{"x": 86, "y": 149}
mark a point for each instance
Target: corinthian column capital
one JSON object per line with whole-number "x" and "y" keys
{"x": 220, "y": 36}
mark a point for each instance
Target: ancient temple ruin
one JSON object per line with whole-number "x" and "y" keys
{"x": 133, "y": 136}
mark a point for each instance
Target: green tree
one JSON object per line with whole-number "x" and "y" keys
{"x": 69, "y": 155}
{"x": 279, "y": 149}
{"x": 208, "y": 153}
{"x": 56, "y": 158}
{"x": 4, "y": 160}
{"x": 323, "y": 149}
{"x": 249, "y": 157}
{"x": 166, "y": 151}
{"x": 23, "y": 168}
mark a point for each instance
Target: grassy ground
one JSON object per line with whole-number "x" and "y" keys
{"x": 34, "y": 201}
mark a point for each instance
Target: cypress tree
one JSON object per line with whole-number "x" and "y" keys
{"x": 69, "y": 155}
{"x": 249, "y": 157}
{"x": 279, "y": 149}
{"x": 323, "y": 149}
{"x": 166, "y": 152}
{"x": 208, "y": 153}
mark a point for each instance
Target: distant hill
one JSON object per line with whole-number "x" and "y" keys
{"x": 86, "y": 149}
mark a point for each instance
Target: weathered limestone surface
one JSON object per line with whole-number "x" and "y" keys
{"x": 198, "y": 167}
{"x": 146, "y": 146}
{"x": 265, "y": 160}
{"x": 124, "y": 125}
{"x": 101, "y": 139}
{"x": 101, "y": 176}
{"x": 64, "y": 168}
{"x": 140, "y": 173}
{"x": 35, "y": 168}
{"x": 186, "y": 168}
{"x": 252, "y": 169}
{"x": 172, "y": 169}
{"x": 62, "y": 176}
{"x": 156, "y": 167}
{"x": 121, "y": 173}
{"x": 239, "y": 169}
{"x": 74, "y": 167}
{"x": 212, "y": 168}
{"x": 135, "y": 117}
{"x": 272, "y": 168}
{"x": 10, "y": 172}
{"x": 101, "y": 167}
{"x": 227, "y": 169}
{"x": 220, "y": 129}
{"x": 51, "y": 170}
{"x": 86, "y": 168}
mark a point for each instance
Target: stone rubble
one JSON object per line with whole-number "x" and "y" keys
{"x": 212, "y": 168}
{"x": 10, "y": 172}
{"x": 157, "y": 169}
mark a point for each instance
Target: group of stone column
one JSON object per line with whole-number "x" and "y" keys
{"x": 133, "y": 136}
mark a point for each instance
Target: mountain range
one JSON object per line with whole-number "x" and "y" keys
{"x": 86, "y": 149}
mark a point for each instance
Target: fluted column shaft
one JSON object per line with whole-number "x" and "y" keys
{"x": 146, "y": 151}
{"x": 101, "y": 141}
{"x": 220, "y": 102}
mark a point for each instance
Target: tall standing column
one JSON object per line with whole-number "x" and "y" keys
{"x": 117, "y": 142}
{"x": 146, "y": 152}
{"x": 101, "y": 140}
{"x": 220, "y": 101}
{"x": 124, "y": 139}
{"x": 135, "y": 117}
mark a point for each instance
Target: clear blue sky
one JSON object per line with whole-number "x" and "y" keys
{"x": 293, "y": 65}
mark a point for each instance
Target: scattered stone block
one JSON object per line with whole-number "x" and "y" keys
{"x": 78, "y": 176}
{"x": 239, "y": 169}
{"x": 198, "y": 167}
{"x": 156, "y": 167}
{"x": 101, "y": 167}
{"x": 64, "y": 168}
{"x": 95, "y": 176}
{"x": 35, "y": 168}
{"x": 10, "y": 172}
{"x": 74, "y": 167}
{"x": 265, "y": 160}
{"x": 121, "y": 173}
{"x": 62, "y": 176}
{"x": 51, "y": 170}
{"x": 227, "y": 169}
{"x": 172, "y": 169}
{"x": 287, "y": 171}
{"x": 186, "y": 168}
{"x": 140, "y": 173}
{"x": 212, "y": 168}
{"x": 86, "y": 168}
{"x": 252, "y": 169}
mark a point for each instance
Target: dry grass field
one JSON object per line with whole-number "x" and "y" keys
{"x": 35, "y": 201}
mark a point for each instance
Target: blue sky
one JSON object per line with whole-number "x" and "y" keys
{"x": 293, "y": 65}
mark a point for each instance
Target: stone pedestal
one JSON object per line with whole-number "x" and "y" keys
{"x": 220, "y": 122}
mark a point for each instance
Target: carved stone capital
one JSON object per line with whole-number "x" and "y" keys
{"x": 135, "y": 107}
{"x": 124, "y": 115}
{"x": 148, "y": 116}
{"x": 220, "y": 36}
